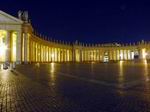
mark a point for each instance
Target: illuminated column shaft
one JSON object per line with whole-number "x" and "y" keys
{"x": 25, "y": 47}
{"x": 90, "y": 55}
{"x": 131, "y": 55}
{"x": 7, "y": 55}
{"x": 63, "y": 55}
{"x": 73, "y": 55}
{"x": 127, "y": 54}
{"x": 109, "y": 55}
{"x": 31, "y": 50}
{"x": 57, "y": 55}
{"x": 43, "y": 53}
{"x": 87, "y": 55}
{"x": 18, "y": 48}
{"x": 116, "y": 55}
{"x": 40, "y": 52}
{"x": 48, "y": 55}
{"x": 100, "y": 55}
{"x": 80, "y": 55}
{"x": 123, "y": 55}
{"x": 141, "y": 54}
{"x": 84, "y": 55}
{"x": 66, "y": 55}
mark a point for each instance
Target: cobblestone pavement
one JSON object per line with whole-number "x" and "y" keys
{"x": 51, "y": 88}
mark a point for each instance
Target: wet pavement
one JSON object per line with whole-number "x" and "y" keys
{"x": 76, "y": 87}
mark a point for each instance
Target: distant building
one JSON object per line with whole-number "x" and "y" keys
{"x": 21, "y": 44}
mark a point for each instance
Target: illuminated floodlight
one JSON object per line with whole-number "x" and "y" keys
{"x": 52, "y": 55}
{"x": 121, "y": 56}
{"x": 3, "y": 49}
{"x": 144, "y": 53}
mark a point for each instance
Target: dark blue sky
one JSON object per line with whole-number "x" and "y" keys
{"x": 87, "y": 21}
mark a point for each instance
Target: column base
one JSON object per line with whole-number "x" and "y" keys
{"x": 18, "y": 62}
{"x": 25, "y": 62}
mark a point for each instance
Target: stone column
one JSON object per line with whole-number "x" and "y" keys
{"x": 131, "y": 54}
{"x": 35, "y": 52}
{"x": 70, "y": 55}
{"x": 114, "y": 55}
{"x": 83, "y": 55}
{"x": 98, "y": 56}
{"x": 18, "y": 48}
{"x": 65, "y": 55}
{"x": 62, "y": 55}
{"x": 141, "y": 54}
{"x": 30, "y": 50}
{"x": 48, "y": 55}
{"x": 73, "y": 55}
{"x": 125, "y": 54}
{"x": 40, "y": 53}
{"x": 89, "y": 55}
{"x": 44, "y": 53}
{"x": 57, "y": 55}
{"x": 80, "y": 55}
{"x": 117, "y": 54}
{"x": 26, "y": 48}
{"x": 8, "y": 54}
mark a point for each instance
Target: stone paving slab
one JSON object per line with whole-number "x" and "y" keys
{"x": 32, "y": 90}
{"x": 20, "y": 94}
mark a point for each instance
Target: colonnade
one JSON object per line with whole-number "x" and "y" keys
{"x": 36, "y": 49}
{"x": 19, "y": 43}
{"x": 43, "y": 53}
{"x": 99, "y": 54}
{"x": 114, "y": 53}
{"x": 10, "y": 46}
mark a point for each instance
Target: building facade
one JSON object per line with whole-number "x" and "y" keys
{"x": 19, "y": 43}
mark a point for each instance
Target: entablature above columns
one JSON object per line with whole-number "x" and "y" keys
{"x": 11, "y": 27}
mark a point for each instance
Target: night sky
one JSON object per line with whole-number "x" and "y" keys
{"x": 101, "y": 21}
